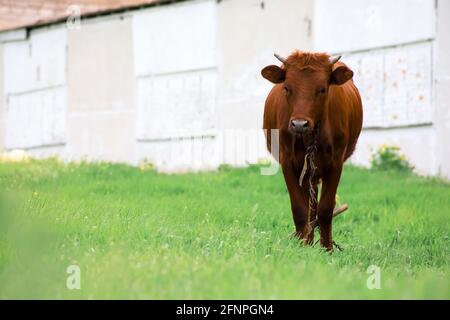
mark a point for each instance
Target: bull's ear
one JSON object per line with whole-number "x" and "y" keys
{"x": 341, "y": 75}
{"x": 274, "y": 74}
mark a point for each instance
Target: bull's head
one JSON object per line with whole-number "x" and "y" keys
{"x": 306, "y": 79}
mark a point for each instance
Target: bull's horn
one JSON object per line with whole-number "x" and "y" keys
{"x": 283, "y": 60}
{"x": 333, "y": 60}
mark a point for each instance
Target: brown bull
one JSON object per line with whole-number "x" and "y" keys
{"x": 318, "y": 111}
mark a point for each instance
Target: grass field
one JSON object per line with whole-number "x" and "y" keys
{"x": 140, "y": 234}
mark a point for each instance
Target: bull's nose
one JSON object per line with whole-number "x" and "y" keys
{"x": 299, "y": 125}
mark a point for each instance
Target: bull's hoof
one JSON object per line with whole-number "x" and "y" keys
{"x": 298, "y": 236}
{"x": 337, "y": 246}
{"x": 330, "y": 248}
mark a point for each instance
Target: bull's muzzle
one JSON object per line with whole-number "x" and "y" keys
{"x": 299, "y": 126}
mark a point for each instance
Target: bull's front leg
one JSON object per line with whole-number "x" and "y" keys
{"x": 313, "y": 214}
{"x": 326, "y": 206}
{"x": 299, "y": 202}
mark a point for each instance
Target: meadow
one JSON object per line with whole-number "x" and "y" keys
{"x": 139, "y": 234}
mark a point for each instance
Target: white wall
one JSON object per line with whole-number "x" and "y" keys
{"x": 175, "y": 65}
{"x": 354, "y": 25}
{"x": 179, "y": 85}
{"x": 101, "y": 117}
{"x": 396, "y": 84}
{"x": 34, "y": 89}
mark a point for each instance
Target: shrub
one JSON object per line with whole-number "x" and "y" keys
{"x": 146, "y": 165}
{"x": 390, "y": 158}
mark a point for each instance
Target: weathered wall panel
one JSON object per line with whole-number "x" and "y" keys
{"x": 36, "y": 119}
{"x": 177, "y": 105}
{"x": 34, "y": 89}
{"x": 349, "y": 25}
{"x": 100, "y": 65}
{"x": 395, "y": 84}
{"x": 175, "y": 38}
{"x": 107, "y": 136}
{"x": 175, "y": 64}
{"x": 36, "y": 63}
{"x": 101, "y": 89}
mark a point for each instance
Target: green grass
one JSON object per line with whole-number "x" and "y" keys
{"x": 225, "y": 234}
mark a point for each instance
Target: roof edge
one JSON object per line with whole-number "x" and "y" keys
{"x": 89, "y": 15}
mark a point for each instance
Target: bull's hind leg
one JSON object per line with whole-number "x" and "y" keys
{"x": 299, "y": 202}
{"x": 326, "y": 207}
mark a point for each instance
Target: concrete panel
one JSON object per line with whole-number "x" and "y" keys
{"x": 418, "y": 144}
{"x": 19, "y": 72}
{"x": 34, "y": 89}
{"x": 395, "y": 84}
{"x": 36, "y": 63}
{"x": 100, "y": 65}
{"x": 101, "y": 91}
{"x": 177, "y": 105}
{"x": 108, "y": 136}
{"x": 36, "y": 118}
{"x": 48, "y": 48}
{"x": 175, "y": 38}
{"x": 349, "y": 25}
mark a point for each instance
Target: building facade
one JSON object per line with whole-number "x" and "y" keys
{"x": 179, "y": 84}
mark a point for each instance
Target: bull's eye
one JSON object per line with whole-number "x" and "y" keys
{"x": 322, "y": 90}
{"x": 287, "y": 90}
